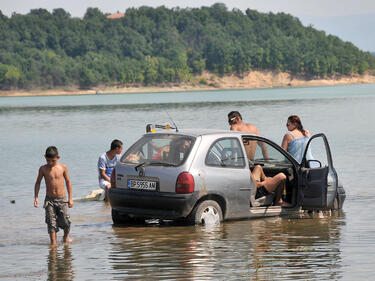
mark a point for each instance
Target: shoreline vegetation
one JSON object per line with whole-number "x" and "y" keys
{"x": 180, "y": 49}
{"x": 206, "y": 81}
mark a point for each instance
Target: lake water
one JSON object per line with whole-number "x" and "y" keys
{"x": 317, "y": 247}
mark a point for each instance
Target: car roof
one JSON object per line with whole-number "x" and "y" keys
{"x": 202, "y": 132}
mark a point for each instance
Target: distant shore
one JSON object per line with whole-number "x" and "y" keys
{"x": 208, "y": 81}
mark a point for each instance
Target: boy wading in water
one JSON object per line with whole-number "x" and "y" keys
{"x": 55, "y": 203}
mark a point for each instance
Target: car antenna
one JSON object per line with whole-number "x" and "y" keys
{"x": 174, "y": 124}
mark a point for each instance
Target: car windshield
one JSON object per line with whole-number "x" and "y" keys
{"x": 159, "y": 149}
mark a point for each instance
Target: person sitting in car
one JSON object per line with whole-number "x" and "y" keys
{"x": 266, "y": 185}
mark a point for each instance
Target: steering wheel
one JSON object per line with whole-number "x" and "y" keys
{"x": 251, "y": 164}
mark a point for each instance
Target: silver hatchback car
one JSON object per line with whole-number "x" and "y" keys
{"x": 203, "y": 177}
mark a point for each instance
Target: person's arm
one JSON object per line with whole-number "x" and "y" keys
{"x": 68, "y": 187}
{"x": 104, "y": 175}
{"x": 102, "y": 169}
{"x": 37, "y": 187}
{"x": 285, "y": 142}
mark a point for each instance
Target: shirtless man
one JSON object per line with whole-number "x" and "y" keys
{"x": 236, "y": 124}
{"x": 55, "y": 203}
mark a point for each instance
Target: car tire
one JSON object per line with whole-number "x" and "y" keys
{"x": 119, "y": 218}
{"x": 336, "y": 205}
{"x": 207, "y": 212}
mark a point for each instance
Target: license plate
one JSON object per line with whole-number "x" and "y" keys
{"x": 142, "y": 184}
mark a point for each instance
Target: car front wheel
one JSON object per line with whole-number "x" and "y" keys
{"x": 206, "y": 212}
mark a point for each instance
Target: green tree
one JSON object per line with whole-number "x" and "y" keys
{"x": 158, "y": 45}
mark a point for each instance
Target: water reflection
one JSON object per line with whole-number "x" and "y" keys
{"x": 59, "y": 263}
{"x": 251, "y": 250}
{"x": 298, "y": 249}
{"x": 305, "y": 248}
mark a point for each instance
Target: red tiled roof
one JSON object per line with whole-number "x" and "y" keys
{"x": 116, "y": 16}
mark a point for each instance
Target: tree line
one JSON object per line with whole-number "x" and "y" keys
{"x": 160, "y": 45}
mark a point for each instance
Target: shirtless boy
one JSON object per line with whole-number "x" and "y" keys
{"x": 55, "y": 203}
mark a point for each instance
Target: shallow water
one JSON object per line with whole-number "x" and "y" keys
{"x": 338, "y": 246}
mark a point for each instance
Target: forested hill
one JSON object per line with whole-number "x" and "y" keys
{"x": 160, "y": 45}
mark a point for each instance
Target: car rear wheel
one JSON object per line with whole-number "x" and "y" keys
{"x": 119, "y": 218}
{"x": 207, "y": 212}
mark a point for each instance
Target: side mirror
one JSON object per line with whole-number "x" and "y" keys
{"x": 314, "y": 164}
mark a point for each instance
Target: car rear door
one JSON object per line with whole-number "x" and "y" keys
{"x": 318, "y": 184}
{"x": 227, "y": 175}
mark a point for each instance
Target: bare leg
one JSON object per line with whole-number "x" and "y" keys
{"x": 258, "y": 174}
{"x": 52, "y": 237}
{"x": 108, "y": 186}
{"x": 276, "y": 184}
{"x": 66, "y": 236}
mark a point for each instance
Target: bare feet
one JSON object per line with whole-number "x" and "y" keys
{"x": 67, "y": 240}
{"x": 283, "y": 204}
{"x": 286, "y": 204}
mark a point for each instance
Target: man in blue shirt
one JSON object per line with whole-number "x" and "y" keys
{"x": 107, "y": 161}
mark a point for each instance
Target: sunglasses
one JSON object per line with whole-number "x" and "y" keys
{"x": 232, "y": 120}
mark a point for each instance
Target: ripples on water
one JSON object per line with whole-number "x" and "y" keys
{"x": 279, "y": 248}
{"x": 310, "y": 247}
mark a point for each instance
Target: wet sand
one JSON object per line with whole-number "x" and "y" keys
{"x": 208, "y": 81}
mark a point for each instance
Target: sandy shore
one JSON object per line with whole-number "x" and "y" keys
{"x": 207, "y": 81}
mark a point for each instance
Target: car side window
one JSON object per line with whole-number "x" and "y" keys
{"x": 268, "y": 153}
{"x": 226, "y": 152}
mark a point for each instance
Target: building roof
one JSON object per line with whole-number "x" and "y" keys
{"x": 116, "y": 16}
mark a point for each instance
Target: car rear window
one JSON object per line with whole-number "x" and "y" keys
{"x": 159, "y": 149}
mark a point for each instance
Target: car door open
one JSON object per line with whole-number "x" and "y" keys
{"x": 319, "y": 178}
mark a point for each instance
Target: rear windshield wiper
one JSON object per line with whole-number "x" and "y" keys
{"x": 155, "y": 163}
{"x": 142, "y": 166}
